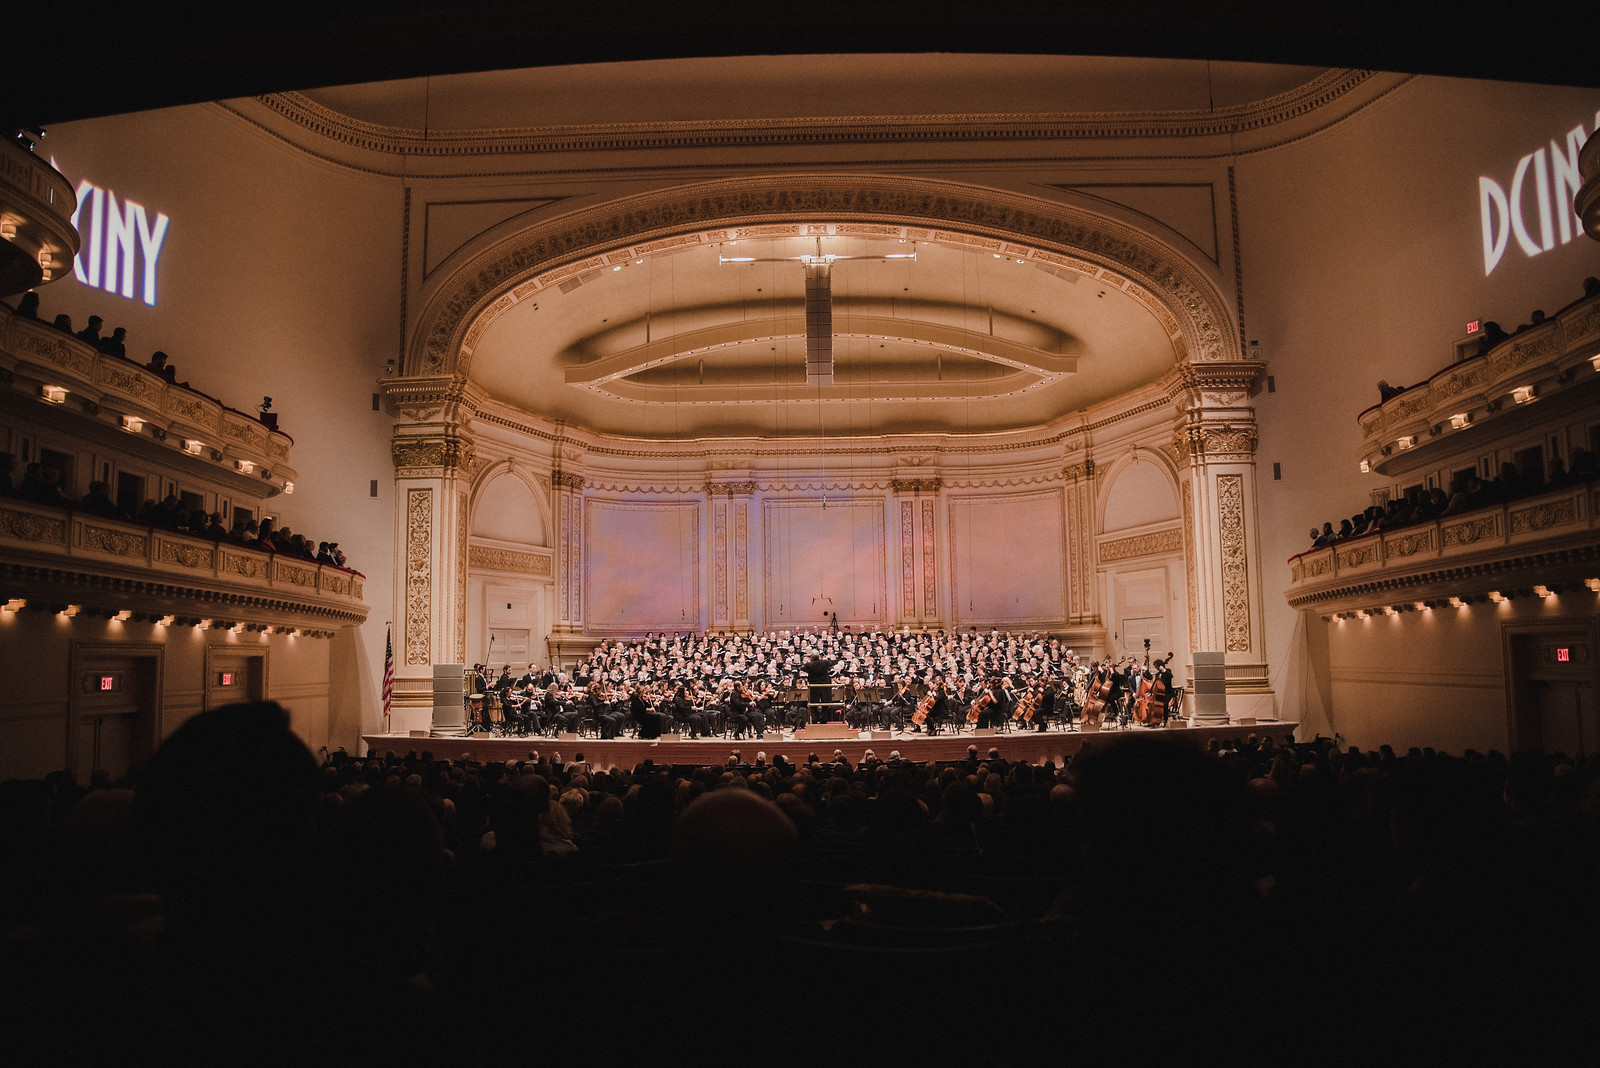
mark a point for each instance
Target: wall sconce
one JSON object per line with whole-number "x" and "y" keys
{"x": 165, "y": 621}
{"x": 123, "y": 616}
{"x": 1390, "y": 610}
{"x": 245, "y": 465}
{"x": 1593, "y": 584}
{"x": 1407, "y": 441}
{"x": 193, "y": 447}
{"x": 132, "y": 424}
{"x": 1361, "y": 613}
{"x": 1421, "y": 606}
{"x": 1366, "y": 468}
{"x": 1456, "y": 602}
{"x": 1524, "y": 394}
{"x": 54, "y": 394}
{"x": 1542, "y": 591}
{"x": 288, "y": 487}
{"x": 16, "y": 604}
{"x": 8, "y": 229}
{"x": 1496, "y": 596}
{"x": 202, "y": 623}
{"x": 1459, "y": 421}
{"x": 1594, "y": 361}
{"x": 47, "y": 264}
{"x": 71, "y": 610}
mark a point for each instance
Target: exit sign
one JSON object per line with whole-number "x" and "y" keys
{"x": 1563, "y": 654}
{"x": 1473, "y": 327}
{"x": 108, "y": 683}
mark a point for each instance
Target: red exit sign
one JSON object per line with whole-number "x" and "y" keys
{"x": 1563, "y": 654}
{"x": 108, "y": 682}
{"x": 1473, "y": 327}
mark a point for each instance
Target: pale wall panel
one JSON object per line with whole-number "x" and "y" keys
{"x": 641, "y": 566}
{"x": 1008, "y": 559}
{"x": 820, "y": 559}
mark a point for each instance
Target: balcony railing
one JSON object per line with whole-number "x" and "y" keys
{"x": 1558, "y": 355}
{"x": 1547, "y": 540}
{"x": 120, "y": 391}
{"x": 60, "y": 558}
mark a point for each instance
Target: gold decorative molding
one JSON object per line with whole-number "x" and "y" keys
{"x": 247, "y": 566}
{"x": 434, "y": 454}
{"x": 1470, "y": 531}
{"x": 567, "y": 480}
{"x": 1421, "y": 541}
{"x": 719, "y": 562}
{"x": 1358, "y": 555}
{"x": 419, "y": 573}
{"x": 1540, "y": 516}
{"x": 115, "y": 542}
{"x": 484, "y": 558}
{"x": 1159, "y": 541}
{"x": 299, "y": 576}
{"x": 930, "y": 572}
{"x": 916, "y": 485}
{"x": 908, "y": 557}
{"x": 1190, "y": 567}
{"x": 741, "y": 561}
{"x": 1231, "y": 441}
{"x": 1235, "y": 572}
{"x": 187, "y": 555}
{"x": 25, "y": 526}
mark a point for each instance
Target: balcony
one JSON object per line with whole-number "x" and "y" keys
{"x": 37, "y": 241}
{"x": 1554, "y": 365}
{"x": 73, "y": 562}
{"x": 1548, "y": 542}
{"x": 121, "y": 394}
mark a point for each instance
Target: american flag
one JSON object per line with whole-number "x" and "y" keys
{"x": 388, "y": 674}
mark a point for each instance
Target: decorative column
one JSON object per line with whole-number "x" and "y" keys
{"x": 434, "y": 461}
{"x": 567, "y": 485}
{"x": 914, "y": 510}
{"x": 1083, "y": 598}
{"x": 1215, "y": 443}
{"x": 740, "y": 497}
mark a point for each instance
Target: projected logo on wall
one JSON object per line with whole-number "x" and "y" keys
{"x": 1554, "y": 181}
{"x": 120, "y": 242}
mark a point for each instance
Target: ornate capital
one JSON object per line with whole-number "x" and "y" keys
{"x": 1222, "y": 441}
{"x": 417, "y": 455}
{"x": 1076, "y": 472}
{"x": 916, "y": 485}
{"x": 567, "y": 480}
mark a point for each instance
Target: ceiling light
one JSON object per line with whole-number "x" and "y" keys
{"x": 123, "y": 616}
{"x": 14, "y": 605}
{"x": 1542, "y": 591}
{"x": 1496, "y": 596}
{"x": 1456, "y": 602}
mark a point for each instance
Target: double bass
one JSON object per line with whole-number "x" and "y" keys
{"x": 1150, "y": 708}
{"x": 1094, "y": 704}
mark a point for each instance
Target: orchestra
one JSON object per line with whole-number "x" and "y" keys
{"x": 704, "y": 685}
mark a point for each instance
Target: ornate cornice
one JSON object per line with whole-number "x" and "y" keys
{"x": 386, "y": 139}
{"x": 1151, "y": 544}
{"x": 486, "y": 558}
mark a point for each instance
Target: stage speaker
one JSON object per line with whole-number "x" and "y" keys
{"x": 983, "y": 732}
{"x": 567, "y": 736}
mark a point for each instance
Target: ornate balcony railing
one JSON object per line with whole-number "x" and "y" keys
{"x": 1560, "y": 355}
{"x": 1550, "y": 541}
{"x": 121, "y": 392}
{"x": 65, "y": 560}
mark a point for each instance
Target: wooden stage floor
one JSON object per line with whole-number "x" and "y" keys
{"x": 1035, "y": 747}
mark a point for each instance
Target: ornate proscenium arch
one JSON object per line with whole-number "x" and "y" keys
{"x": 1181, "y": 295}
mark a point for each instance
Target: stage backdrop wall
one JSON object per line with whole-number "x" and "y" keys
{"x": 1008, "y": 559}
{"x": 642, "y": 568}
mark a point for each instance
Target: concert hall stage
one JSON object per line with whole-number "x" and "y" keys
{"x": 1034, "y": 747}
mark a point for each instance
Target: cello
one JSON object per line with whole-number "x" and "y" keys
{"x": 978, "y": 706}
